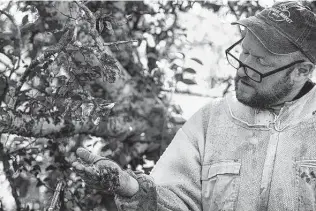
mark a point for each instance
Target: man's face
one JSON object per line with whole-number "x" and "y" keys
{"x": 273, "y": 89}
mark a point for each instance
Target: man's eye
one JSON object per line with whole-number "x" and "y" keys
{"x": 261, "y": 61}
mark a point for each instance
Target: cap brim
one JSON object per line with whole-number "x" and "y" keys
{"x": 269, "y": 36}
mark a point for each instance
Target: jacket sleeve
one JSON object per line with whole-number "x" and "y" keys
{"x": 175, "y": 182}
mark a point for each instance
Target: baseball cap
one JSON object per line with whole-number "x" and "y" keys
{"x": 284, "y": 28}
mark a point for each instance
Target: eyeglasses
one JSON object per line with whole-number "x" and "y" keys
{"x": 249, "y": 71}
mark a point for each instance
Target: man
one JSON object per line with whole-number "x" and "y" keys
{"x": 253, "y": 150}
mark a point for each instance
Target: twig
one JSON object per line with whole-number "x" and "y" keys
{"x": 75, "y": 198}
{"x": 229, "y": 3}
{"x": 119, "y": 42}
{"x": 90, "y": 16}
{"x": 46, "y": 186}
{"x": 11, "y": 58}
{"x": 93, "y": 30}
{"x": 14, "y": 122}
{"x": 17, "y": 150}
{"x": 103, "y": 49}
{"x": 188, "y": 92}
{"x": 34, "y": 63}
{"x": 70, "y": 17}
{"x": 4, "y": 157}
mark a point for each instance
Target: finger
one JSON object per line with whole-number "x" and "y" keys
{"x": 87, "y": 156}
{"x": 86, "y": 171}
{"x": 78, "y": 166}
{"x": 92, "y": 171}
{"x": 82, "y": 169}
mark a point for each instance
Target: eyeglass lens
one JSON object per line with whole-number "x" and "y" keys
{"x": 233, "y": 61}
{"x": 248, "y": 71}
{"x": 252, "y": 74}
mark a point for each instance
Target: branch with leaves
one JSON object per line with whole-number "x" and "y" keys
{"x": 79, "y": 119}
{"x": 52, "y": 98}
{"x": 4, "y": 157}
{"x": 66, "y": 38}
{"x": 18, "y": 37}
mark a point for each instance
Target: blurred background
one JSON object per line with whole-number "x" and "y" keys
{"x": 151, "y": 63}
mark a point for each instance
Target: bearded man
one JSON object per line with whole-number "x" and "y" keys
{"x": 255, "y": 149}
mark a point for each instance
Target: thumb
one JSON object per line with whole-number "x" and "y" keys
{"x": 86, "y": 156}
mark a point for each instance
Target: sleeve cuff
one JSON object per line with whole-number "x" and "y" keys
{"x": 144, "y": 200}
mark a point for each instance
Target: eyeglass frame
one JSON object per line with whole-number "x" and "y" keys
{"x": 244, "y": 66}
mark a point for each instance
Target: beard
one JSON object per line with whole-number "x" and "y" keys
{"x": 264, "y": 98}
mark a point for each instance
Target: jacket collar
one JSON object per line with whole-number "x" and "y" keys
{"x": 300, "y": 110}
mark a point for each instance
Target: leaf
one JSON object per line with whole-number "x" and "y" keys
{"x": 19, "y": 140}
{"x": 16, "y": 174}
{"x": 109, "y": 27}
{"x": 41, "y": 98}
{"x": 23, "y": 97}
{"x": 21, "y": 152}
{"x": 3, "y": 84}
{"x": 129, "y": 17}
{"x": 189, "y": 81}
{"x": 39, "y": 183}
{"x": 28, "y": 161}
{"x": 62, "y": 79}
{"x": 51, "y": 167}
{"x": 36, "y": 169}
{"x": 46, "y": 179}
{"x": 189, "y": 70}
{"x": 76, "y": 97}
{"x": 79, "y": 57}
{"x": 101, "y": 26}
{"x": 33, "y": 8}
{"x": 197, "y": 60}
{"x": 189, "y": 78}
{"x": 152, "y": 147}
{"x": 177, "y": 119}
{"x": 25, "y": 19}
{"x": 15, "y": 165}
{"x": 95, "y": 143}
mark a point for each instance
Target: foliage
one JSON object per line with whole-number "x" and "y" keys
{"x": 99, "y": 75}
{"x": 55, "y": 63}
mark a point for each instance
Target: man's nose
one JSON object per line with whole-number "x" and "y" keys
{"x": 241, "y": 72}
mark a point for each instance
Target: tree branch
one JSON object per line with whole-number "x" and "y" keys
{"x": 90, "y": 16}
{"x": 14, "y": 122}
{"x": 18, "y": 36}
{"x": 22, "y": 148}
{"x": 63, "y": 42}
{"x": 119, "y": 42}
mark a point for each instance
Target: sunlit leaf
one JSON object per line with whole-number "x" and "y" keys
{"x": 197, "y": 60}
{"x": 101, "y": 26}
{"x": 189, "y": 70}
{"x": 51, "y": 167}
{"x": 25, "y": 19}
{"x": 109, "y": 27}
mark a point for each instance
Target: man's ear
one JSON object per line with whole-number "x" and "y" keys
{"x": 303, "y": 70}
